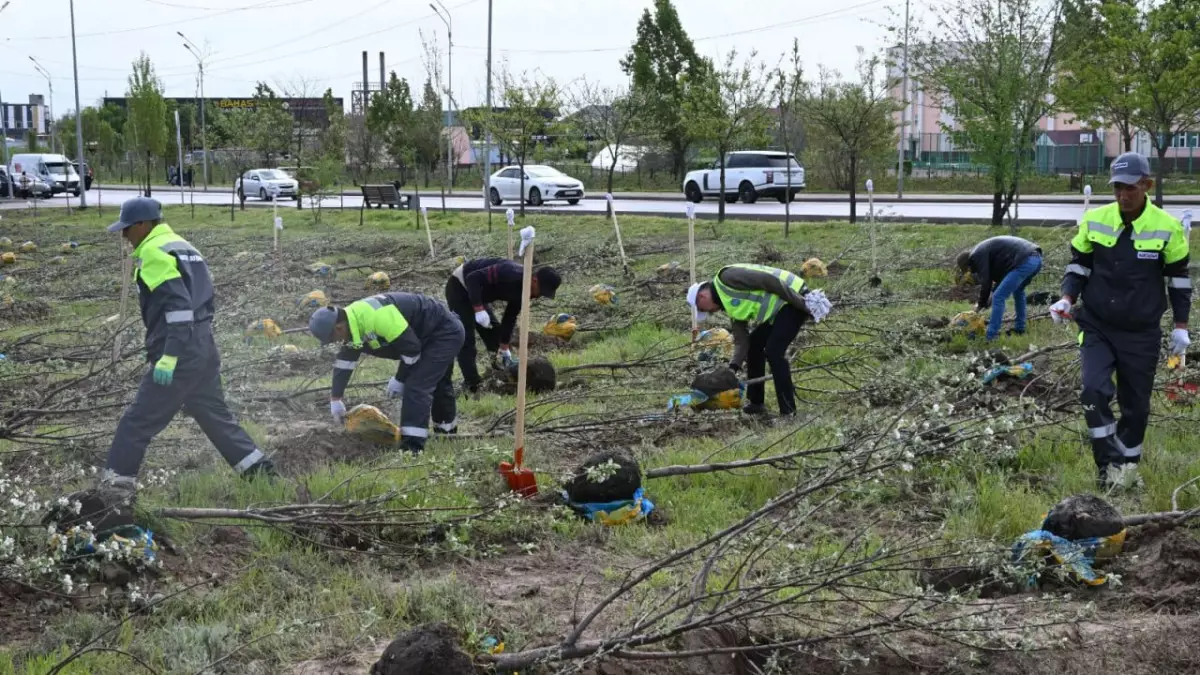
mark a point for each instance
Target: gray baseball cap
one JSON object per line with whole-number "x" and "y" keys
{"x": 1129, "y": 168}
{"x": 137, "y": 210}
{"x": 321, "y": 324}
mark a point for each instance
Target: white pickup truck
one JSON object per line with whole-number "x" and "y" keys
{"x": 748, "y": 176}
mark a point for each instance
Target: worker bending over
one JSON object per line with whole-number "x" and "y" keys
{"x": 175, "y": 291}
{"x": 1008, "y": 264}
{"x": 1128, "y": 259}
{"x": 779, "y": 303}
{"x": 413, "y": 329}
{"x": 471, "y": 289}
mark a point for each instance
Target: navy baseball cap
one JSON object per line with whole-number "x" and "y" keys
{"x": 137, "y": 210}
{"x": 321, "y": 324}
{"x": 1129, "y": 168}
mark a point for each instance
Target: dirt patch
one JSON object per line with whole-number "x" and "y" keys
{"x": 24, "y": 310}
{"x": 1083, "y": 517}
{"x": 961, "y": 293}
{"x": 709, "y": 638}
{"x": 767, "y": 255}
{"x": 430, "y": 649}
{"x": 307, "y": 449}
{"x": 1161, "y": 567}
{"x": 701, "y": 425}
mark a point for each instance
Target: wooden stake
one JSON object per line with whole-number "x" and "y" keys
{"x": 510, "y": 216}
{"x": 428, "y": 234}
{"x": 691, "y": 217}
{"x": 871, "y": 202}
{"x": 620, "y": 246}
{"x": 523, "y": 348}
{"x": 126, "y": 278}
{"x": 1087, "y": 197}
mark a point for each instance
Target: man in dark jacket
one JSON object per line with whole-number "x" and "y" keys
{"x": 779, "y": 303}
{"x": 415, "y": 330}
{"x": 1128, "y": 260}
{"x": 471, "y": 289}
{"x": 175, "y": 291}
{"x": 1008, "y": 264}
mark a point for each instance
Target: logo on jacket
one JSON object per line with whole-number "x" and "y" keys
{"x": 1147, "y": 255}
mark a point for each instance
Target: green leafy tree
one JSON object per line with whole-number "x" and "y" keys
{"x": 729, "y": 108}
{"x": 991, "y": 62}
{"x": 427, "y": 137}
{"x": 526, "y": 115}
{"x": 147, "y": 132}
{"x": 270, "y": 125}
{"x": 332, "y": 136}
{"x": 391, "y": 117}
{"x": 187, "y": 126}
{"x": 855, "y": 118}
{"x": 235, "y": 130}
{"x": 100, "y": 139}
{"x": 661, "y": 62}
{"x": 1097, "y": 80}
{"x": 1166, "y": 59}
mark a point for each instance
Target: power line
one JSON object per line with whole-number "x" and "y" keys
{"x": 266, "y": 4}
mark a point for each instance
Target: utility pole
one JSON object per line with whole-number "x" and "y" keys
{"x": 903, "y": 113}
{"x": 487, "y": 152}
{"x": 446, "y": 18}
{"x": 78, "y": 118}
{"x": 191, "y": 47}
{"x": 49, "y": 85}
{"x": 4, "y": 138}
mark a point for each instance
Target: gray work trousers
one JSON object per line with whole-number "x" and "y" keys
{"x": 197, "y": 389}
{"x": 428, "y": 387}
{"x": 1133, "y": 357}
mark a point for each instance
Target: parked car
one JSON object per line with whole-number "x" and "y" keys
{"x": 267, "y": 184}
{"x": 542, "y": 184}
{"x": 56, "y": 170}
{"x": 24, "y": 187}
{"x": 748, "y": 176}
{"x": 86, "y": 173}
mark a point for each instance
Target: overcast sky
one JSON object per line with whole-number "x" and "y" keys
{"x": 278, "y": 40}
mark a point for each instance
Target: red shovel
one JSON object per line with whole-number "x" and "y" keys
{"x": 521, "y": 480}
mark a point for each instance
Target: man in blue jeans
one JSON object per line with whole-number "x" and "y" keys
{"x": 1009, "y": 264}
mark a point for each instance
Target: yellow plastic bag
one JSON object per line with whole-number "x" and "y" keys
{"x": 6, "y": 243}
{"x": 813, "y": 267}
{"x": 561, "y": 326}
{"x": 28, "y": 247}
{"x": 370, "y": 424}
{"x": 730, "y": 399}
{"x": 263, "y": 328}
{"x": 69, "y": 246}
{"x": 604, "y": 294}
{"x": 57, "y": 260}
{"x": 379, "y": 281}
{"x": 8, "y": 258}
{"x": 314, "y": 300}
{"x": 667, "y": 269}
{"x": 714, "y": 344}
{"x": 321, "y": 269}
{"x": 969, "y": 323}
{"x": 288, "y": 350}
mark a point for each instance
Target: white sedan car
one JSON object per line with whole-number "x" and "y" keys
{"x": 542, "y": 184}
{"x": 267, "y": 184}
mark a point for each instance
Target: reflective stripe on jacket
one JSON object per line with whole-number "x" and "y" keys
{"x": 747, "y": 305}
{"x": 175, "y": 290}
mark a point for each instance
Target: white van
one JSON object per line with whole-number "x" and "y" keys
{"x": 56, "y": 170}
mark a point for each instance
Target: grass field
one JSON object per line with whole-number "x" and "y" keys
{"x": 812, "y": 556}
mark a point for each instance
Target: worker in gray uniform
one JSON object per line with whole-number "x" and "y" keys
{"x": 419, "y": 332}
{"x": 175, "y": 292}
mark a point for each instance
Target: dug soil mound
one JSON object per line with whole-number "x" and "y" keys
{"x": 304, "y": 450}
{"x": 1083, "y": 517}
{"x": 715, "y": 381}
{"x": 624, "y": 480}
{"x": 24, "y": 310}
{"x": 428, "y": 649}
{"x": 1160, "y": 567}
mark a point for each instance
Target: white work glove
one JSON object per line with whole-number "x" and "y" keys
{"x": 505, "y": 356}
{"x": 818, "y": 305}
{"x": 511, "y": 218}
{"x": 395, "y": 388}
{"x": 338, "y": 409}
{"x": 410, "y": 360}
{"x": 1179, "y": 341}
{"x": 1061, "y": 311}
{"x": 482, "y": 318}
{"x": 526, "y": 239}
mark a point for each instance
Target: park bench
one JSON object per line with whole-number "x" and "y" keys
{"x": 388, "y": 195}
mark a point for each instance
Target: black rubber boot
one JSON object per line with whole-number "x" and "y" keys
{"x": 756, "y": 409}
{"x": 262, "y": 469}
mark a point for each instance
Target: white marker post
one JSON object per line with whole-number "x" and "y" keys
{"x": 276, "y": 223}
{"x": 871, "y": 207}
{"x": 691, "y": 218}
{"x": 277, "y": 229}
{"x": 1087, "y": 197}
{"x": 620, "y": 246}
{"x": 428, "y": 235}
{"x": 1187, "y": 223}
{"x": 510, "y": 217}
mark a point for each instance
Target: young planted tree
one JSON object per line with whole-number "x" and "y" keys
{"x": 855, "y": 117}
{"x": 306, "y": 125}
{"x": 790, "y": 90}
{"x": 1166, "y": 57}
{"x": 427, "y": 131}
{"x": 526, "y": 114}
{"x": 147, "y": 115}
{"x": 610, "y": 116}
{"x": 729, "y": 108}
{"x": 391, "y": 117}
{"x": 270, "y": 125}
{"x": 991, "y": 62}
{"x": 660, "y": 62}
{"x": 1097, "y": 80}
{"x": 234, "y": 132}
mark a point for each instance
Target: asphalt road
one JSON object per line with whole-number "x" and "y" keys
{"x": 907, "y": 211}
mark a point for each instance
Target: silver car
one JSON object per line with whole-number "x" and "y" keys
{"x": 267, "y": 184}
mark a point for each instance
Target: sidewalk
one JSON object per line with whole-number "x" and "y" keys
{"x": 889, "y": 198}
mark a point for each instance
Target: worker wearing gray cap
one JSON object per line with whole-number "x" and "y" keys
{"x": 1128, "y": 261}
{"x": 175, "y": 291}
{"x": 419, "y": 332}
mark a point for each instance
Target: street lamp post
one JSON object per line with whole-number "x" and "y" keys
{"x": 4, "y": 132}
{"x": 50, "y": 85}
{"x": 487, "y": 152}
{"x": 195, "y": 51}
{"x": 444, "y": 15}
{"x": 78, "y": 118}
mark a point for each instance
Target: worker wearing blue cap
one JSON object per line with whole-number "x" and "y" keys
{"x": 176, "y": 295}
